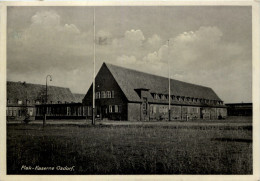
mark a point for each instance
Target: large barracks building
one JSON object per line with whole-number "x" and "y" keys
{"x": 125, "y": 94}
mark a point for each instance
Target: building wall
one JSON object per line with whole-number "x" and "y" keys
{"x": 20, "y": 112}
{"x": 159, "y": 112}
{"x": 134, "y": 112}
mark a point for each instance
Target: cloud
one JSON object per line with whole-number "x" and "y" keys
{"x": 160, "y": 56}
{"x": 195, "y": 48}
{"x": 46, "y": 42}
{"x": 155, "y": 40}
{"x": 130, "y": 44}
{"x": 126, "y": 59}
{"x": 45, "y": 18}
{"x": 202, "y": 57}
{"x": 135, "y": 36}
{"x": 152, "y": 57}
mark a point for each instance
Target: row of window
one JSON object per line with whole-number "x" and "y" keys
{"x": 165, "y": 109}
{"x": 19, "y": 112}
{"x": 115, "y": 108}
{"x": 107, "y": 109}
{"x": 182, "y": 98}
{"x": 20, "y": 102}
{"x": 104, "y": 94}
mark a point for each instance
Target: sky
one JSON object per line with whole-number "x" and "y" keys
{"x": 208, "y": 45}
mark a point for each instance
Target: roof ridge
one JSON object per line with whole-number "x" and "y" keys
{"x": 21, "y": 82}
{"x": 156, "y": 75}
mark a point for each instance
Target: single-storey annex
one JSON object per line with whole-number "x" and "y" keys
{"x": 125, "y": 94}
{"x": 239, "y": 109}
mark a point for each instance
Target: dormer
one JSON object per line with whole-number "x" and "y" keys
{"x": 142, "y": 92}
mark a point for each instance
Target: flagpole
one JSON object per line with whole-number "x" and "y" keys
{"x": 169, "y": 78}
{"x": 94, "y": 66}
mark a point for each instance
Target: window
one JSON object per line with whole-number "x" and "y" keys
{"x": 89, "y": 110}
{"x": 14, "y": 113}
{"x": 103, "y": 94}
{"x": 154, "y": 109}
{"x": 160, "y": 109}
{"x": 144, "y": 106}
{"x": 184, "y": 109}
{"x": 156, "y": 96}
{"x": 144, "y": 103}
{"x": 116, "y": 109}
{"x": 110, "y": 109}
{"x": 119, "y": 109}
{"x": 97, "y": 95}
{"x": 8, "y": 101}
{"x": 172, "y": 97}
{"x": 163, "y": 97}
{"x": 194, "y": 110}
{"x": 19, "y": 102}
{"x": 28, "y": 101}
{"x": 113, "y": 108}
{"x": 19, "y": 113}
{"x": 108, "y": 94}
{"x": 68, "y": 111}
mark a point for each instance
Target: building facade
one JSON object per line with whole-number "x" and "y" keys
{"x": 29, "y": 100}
{"x": 125, "y": 94}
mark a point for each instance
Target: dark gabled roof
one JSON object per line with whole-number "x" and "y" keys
{"x": 32, "y": 92}
{"x": 129, "y": 80}
{"x": 78, "y": 97}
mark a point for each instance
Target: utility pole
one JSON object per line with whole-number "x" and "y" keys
{"x": 169, "y": 79}
{"x": 46, "y": 100}
{"x": 94, "y": 66}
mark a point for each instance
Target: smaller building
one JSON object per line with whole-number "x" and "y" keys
{"x": 239, "y": 109}
{"x": 29, "y": 100}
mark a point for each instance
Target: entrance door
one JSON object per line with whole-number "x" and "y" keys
{"x": 104, "y": 111}
{"x": 201, "y": 113}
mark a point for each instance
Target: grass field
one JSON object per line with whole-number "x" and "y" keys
{"x": 130, "y": 149}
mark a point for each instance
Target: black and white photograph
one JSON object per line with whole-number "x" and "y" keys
{"x": 129, "y": 90}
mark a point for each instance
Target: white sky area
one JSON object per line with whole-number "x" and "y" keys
{"x": 209, "y": 46}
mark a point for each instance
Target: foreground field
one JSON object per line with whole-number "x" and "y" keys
{"x": 129, "y": 149}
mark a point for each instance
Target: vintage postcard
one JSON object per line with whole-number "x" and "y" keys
{"x": 130, "y": 91}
